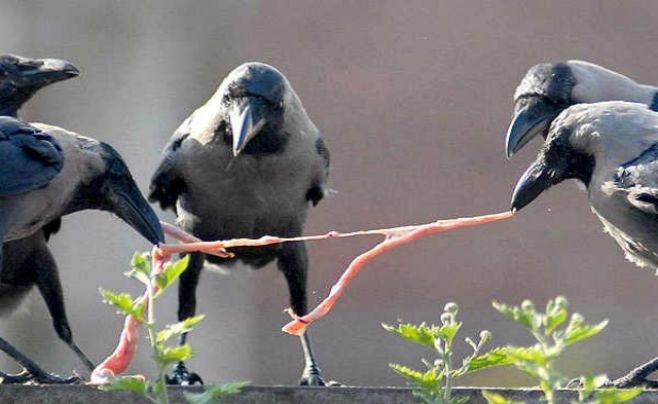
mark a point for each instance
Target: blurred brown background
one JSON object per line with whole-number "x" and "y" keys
{"x": 414, "y": 98}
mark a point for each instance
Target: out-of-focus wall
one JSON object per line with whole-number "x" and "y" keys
{"x": 414, "y": 99}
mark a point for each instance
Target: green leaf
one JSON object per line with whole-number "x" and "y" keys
{"x": 138, "y": 276}
{"x": 496, "y": 357}
{"x": 168, "y": 355}
{"x": 556, "y": 314}
{"x": 495, "y": 398}
{"x": 420, "y": 334}
{"x": 178, "y": 328}
{"x": 141, "y": 268}
{"x": 528, "y": 354}
{"x": 448, "y": 332}
{"x": 214, "y": 394}
{"x": 125, "y": 303}
{"x": 171, "y": 272}
{"x": 429, "y": 380}
{"x": 136, "y": 384}
{"x": 613, "y": 396}
{"x": 577, "y": 331}
{"x": 526, "y": 317}
{"x": 141, "y": 262}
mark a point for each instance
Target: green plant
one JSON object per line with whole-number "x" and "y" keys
{"x": 554, "y": 334}
{"x": 434, "y": 385}
{"x": 164, "y": 355}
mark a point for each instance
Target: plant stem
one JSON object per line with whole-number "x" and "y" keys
{"x": 549, "y": 385}
{"x": 447, "y": 363}
{"x": 162, "y": 396}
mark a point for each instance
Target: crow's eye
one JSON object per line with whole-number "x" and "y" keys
{"x": 3, "y": 73}
{"x": 260, "y": 99}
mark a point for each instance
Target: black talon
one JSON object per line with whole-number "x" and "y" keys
{"x": 37, "y": 376}
{"x": 312, "y": 378}
{"x": 183, "y": 377}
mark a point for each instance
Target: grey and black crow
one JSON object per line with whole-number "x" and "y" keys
{"x": 248, "y": 163}
{"x": 28, "y": 262}
{"x": 549, "y": 88}
{"x": 611, "y": 148}
{"x": 47, "y": 172}
{"x": 21, "y": 78}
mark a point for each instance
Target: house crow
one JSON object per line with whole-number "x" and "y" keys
{"x": 549, "y": 88}
{"x": 28, "y": 262}
{"x": 48, "y": 172}
{"x": 246, "y": 164}
{"x": 611, "y": 148}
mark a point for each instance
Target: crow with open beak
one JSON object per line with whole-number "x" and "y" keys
{"x": 246, "y": 164}
{"x": 47, "y": 172}
{"x": 611, "y": 148}
{"x": 549, "y": 88}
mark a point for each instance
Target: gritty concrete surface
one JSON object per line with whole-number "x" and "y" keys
{"x": 271, "y": 395}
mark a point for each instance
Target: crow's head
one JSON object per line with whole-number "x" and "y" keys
{"x": 543, "y": 93}
{"x": 107, "y": 184}
{"x": 567, "y": 153}
{"x": 255, "y": 100}
{"x": 548, "y": 89}
{"x": 21, "y": 78}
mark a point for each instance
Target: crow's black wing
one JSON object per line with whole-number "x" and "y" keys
{"x": 29, "y": 157}
{"x": 638, "y": 178}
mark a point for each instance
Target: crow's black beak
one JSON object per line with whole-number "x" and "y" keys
{"x": 537, "y": 179}
{"x": 246, "y": 121}
{"x": 129, "y": 204}
{"x": 37, "y": 73}
{"x": 533, "y": 119}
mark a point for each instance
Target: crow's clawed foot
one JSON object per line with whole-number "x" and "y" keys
{"x": 312, "y": 377}
{"x": 183, "y": 377}
{"x": 37, "y": 377}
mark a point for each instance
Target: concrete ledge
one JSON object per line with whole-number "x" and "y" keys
{"x": 272, "y": 394}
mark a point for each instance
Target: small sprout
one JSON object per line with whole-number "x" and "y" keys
{"x": 447, "y": 318}
{"x": 561, "y": 302}
{"x": 451, "y": 308}
{"x": 470, "y": 342}
{"x": 527, "y": 305}
{"x": 163, "y": 354}
{"x": 553, "y": 338}
{"x": 485, "y": 336}
{"x": 434, "y": 385}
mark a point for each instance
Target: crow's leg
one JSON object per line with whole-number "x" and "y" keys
{"x": 187, "y": 308}
{"x": 638, "y": 377}
{"x": 32, "y": 371}
{"x": 293, "y": 262}
{"x": 43, "y": 265}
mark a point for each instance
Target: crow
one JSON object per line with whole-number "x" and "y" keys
{"x": 28, "y": 262}
{"x": 549, "y": 88}
{"x": 48, "y": 172}
{"x": 612, "y": 148}
{"x": 246, "y": 164}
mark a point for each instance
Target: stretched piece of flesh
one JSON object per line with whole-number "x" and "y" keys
{"x": 123, "y": 355}
{"x": 394, "y": 238}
